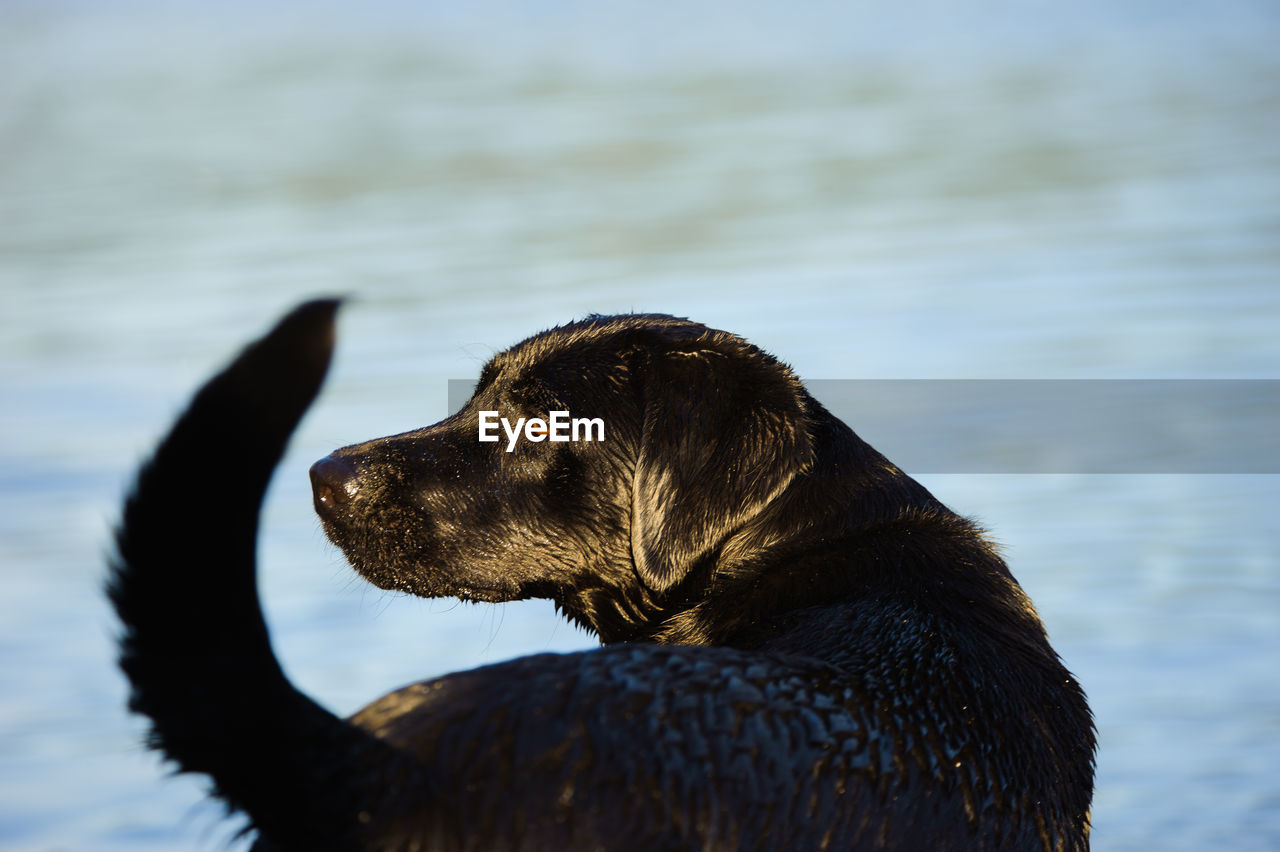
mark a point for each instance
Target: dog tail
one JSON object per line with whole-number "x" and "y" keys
{"x": 195, "y": 645}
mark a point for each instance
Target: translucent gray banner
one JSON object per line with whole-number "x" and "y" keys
{"x": 1056, "y": 425}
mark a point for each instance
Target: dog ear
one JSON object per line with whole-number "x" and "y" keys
{"x": 724, "y": 433}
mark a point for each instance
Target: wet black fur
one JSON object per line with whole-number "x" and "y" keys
{"x": 803, "y": 648}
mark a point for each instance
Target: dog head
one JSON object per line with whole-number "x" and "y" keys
{"x": 672, "y": 438}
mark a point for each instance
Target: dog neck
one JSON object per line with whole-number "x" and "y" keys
{"x": 869, "y": 531}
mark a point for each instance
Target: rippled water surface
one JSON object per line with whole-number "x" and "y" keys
{"x": 1058, "y": 192}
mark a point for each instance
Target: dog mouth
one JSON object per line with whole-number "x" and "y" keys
{"x": 479, "y": 595}
{"x": 413, "y": 576}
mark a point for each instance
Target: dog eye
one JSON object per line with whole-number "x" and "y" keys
{"x": 563, "y": 478}
{"x": 532, "y": 392}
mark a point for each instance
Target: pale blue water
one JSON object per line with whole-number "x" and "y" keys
{"x": 1043, "y": 191}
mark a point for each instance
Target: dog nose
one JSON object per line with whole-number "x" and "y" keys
{"x": 334, "y": 484}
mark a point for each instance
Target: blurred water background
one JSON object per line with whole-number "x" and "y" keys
{"x": 994, "y": 190}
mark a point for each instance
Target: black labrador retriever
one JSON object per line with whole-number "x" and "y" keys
{"x": 803, "y": 648}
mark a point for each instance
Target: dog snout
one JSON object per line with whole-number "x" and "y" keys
{"x": 335, "y": 483}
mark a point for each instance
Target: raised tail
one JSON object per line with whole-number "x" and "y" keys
{"x": 195, "y": 646}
